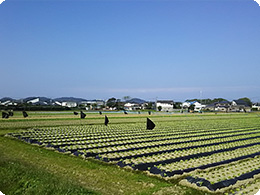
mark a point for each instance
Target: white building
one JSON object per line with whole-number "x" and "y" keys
{"x": 132, "y": 106}
{"x": 197, "y": 106}
{"x": 256, "y": 106}
{"x": 69, "y": 104}
{"x": 8, "y": 103}
{"x": 240, "y": 106}
{"x": 166, "y": 105}
{"x": 33, "y": 101}
{"x": 58, "y": 103}
{"x": 186, "y": 105}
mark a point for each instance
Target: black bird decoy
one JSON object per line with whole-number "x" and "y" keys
{"x": 75, "y": 113}
{"x": 149, "y": 124}
{"x": 100, "y": 112}
{"x": 125, "y": 112}
{"x": 5, "y": 115}
{"x": 25, "y": 114}
{"x": 82, "y": 115}
{"x": 106, "y": 120}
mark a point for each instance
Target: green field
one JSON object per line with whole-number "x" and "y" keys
{"x": 147, "y": 157}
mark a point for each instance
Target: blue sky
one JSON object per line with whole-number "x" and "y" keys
{"x": 169, "y": 49}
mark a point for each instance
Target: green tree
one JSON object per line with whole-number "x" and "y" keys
{"x": 111, "y": 102}
{"x": 177, "y": 105}
{"x": 149, "y": 105}
{"x": 94, "y": 106}
{"x": 247, "y": 100}
{"x": 192, "y": 107}
{"x": 218, "y": 100}
{"x": 126, "y": 97}
{"x": 159, "y": 108}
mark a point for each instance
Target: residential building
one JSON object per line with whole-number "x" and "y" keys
{"x": 256, "y": 106}
{"x": 240, "y": 106}
{"x": 197, "y": 106}
{"x": 166, "y": 105}
{"x": 223, "y": 106}
{"x": 132, "y": 106}
{"x": 69, "y": 104}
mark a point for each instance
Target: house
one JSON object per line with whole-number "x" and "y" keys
{"x": 197, "y": 106}
{"x": 132, "y": 106}
{"x": 135, "y": 104}
{"x": 33, "y": 101}
{"x": 256, "y": 106}
{"x": 69, "y": 104}
{"x": 165, "y": 105}
{"x": 211, "y": 107}
{"x": 92, "y": 104}
{"x": 8, "y": 102}
{"x": 39, "y": 101}
{"x": 57, "y": 103}
{"x": 185, "y": 105}
{"x": 240, "y": 106}
{"x": 223, "y": 106}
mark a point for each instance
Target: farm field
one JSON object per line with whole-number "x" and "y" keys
{"x": 184, "y": 154}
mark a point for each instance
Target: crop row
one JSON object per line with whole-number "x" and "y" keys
{"x": 158, "y": 147}
{"x": 130, "y": 139}
{"x": 142, "y": 163}
{"x": 198, "y": 163}
{"x": 93, "y": 142}
{"x": 112, "y": 131}
{"x": 65, "y": 139}
{"x": 224, "y": 176}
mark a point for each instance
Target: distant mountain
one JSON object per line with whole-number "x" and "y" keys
{"x": 7, "y": 99}
{"x": 136, "y": 101}
{"x": 69, "y": 99}
{"x": 41, "y": 99}
{"x": 36, "y": 100}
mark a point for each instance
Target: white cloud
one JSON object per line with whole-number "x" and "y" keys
{"x": 1, "y": 1}
{"x": 257, "y": 1}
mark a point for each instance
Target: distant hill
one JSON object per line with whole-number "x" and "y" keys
{"x": 136, "y": 101}
{"x": 36, "y": 100}
{"x": 42, "y": 99}
{"x": 4, "y": 99}
{"x": 69, "y": 99}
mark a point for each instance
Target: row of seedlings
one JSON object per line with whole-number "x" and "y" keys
{"x": 221, "y": 177}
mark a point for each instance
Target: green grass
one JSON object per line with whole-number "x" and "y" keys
{"x": 22, "y": 178}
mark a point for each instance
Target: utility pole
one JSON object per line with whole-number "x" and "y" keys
{"x": 201, "y": 96}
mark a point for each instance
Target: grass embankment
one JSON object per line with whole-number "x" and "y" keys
{"x": 28, "y": 169}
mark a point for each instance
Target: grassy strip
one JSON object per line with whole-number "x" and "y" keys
{"x": 28, "y": 169}
{"x": 22, "y": 178}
